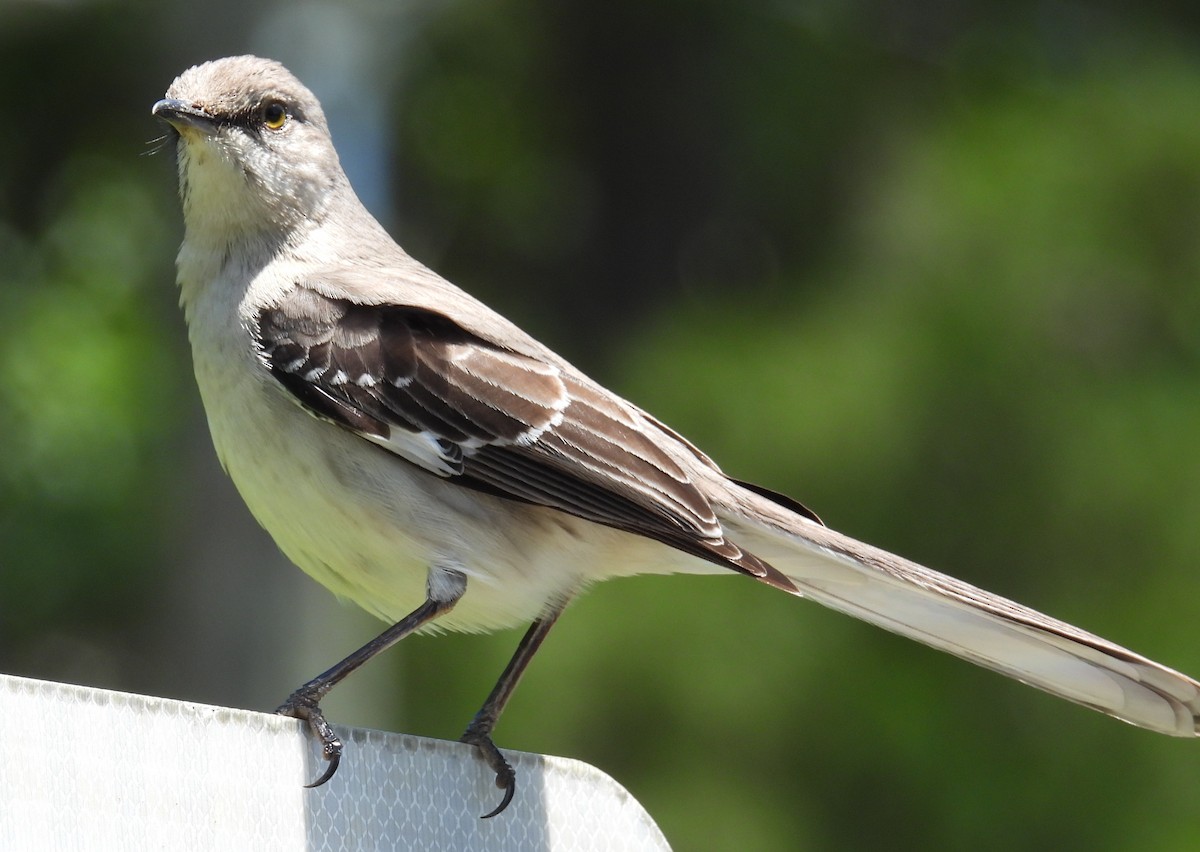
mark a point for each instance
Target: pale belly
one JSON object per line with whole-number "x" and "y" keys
{"x": 369, "y": 525}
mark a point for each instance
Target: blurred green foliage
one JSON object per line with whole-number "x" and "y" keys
{"x": 87, "y": 396}
{"x": 931, "y": 270}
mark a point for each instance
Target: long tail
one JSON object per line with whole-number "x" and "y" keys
{"x": 905, "y": 598}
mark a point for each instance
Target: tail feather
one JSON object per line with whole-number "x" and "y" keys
{"x": 953, "y": 616}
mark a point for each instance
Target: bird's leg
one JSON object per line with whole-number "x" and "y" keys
{"x": 479, "y": 732}
{"x": 443, "y": 592}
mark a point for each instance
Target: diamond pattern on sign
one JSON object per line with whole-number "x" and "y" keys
{"x": 90, "y": 769}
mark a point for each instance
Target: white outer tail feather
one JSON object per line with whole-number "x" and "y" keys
{"x": 944, "y": 613}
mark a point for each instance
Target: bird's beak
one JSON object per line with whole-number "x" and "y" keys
{"x": 182, "y": 115}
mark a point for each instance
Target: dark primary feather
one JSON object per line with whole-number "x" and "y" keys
{"x": 505, "y": 422}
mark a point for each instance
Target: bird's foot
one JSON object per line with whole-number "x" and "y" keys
{"x": 305, "y": 704}
{"x": 506, "y": 778}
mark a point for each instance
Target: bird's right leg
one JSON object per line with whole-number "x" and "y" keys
{"x": 443, "y": 590}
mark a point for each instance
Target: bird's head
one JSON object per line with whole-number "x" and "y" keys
{"x": 254, "y": 149}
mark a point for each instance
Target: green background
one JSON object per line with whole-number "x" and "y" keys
{"x": 932, "y": 268}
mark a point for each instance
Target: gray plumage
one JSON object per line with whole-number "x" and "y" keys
{"x": 393, "y": 434}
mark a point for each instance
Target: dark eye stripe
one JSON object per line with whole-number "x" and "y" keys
{"x": 254, "y": 119}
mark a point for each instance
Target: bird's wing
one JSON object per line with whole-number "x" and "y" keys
{"x": 418, "y": 384}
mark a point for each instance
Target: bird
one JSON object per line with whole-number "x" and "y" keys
{"x": 418, "y": 454}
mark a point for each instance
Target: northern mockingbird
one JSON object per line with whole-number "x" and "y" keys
{"x": 417, "y": 453}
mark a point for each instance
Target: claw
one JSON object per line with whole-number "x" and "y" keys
{"x": 301, "y": 705}
{"x": 509, "y": 790}
{"x": 335, "y": 760}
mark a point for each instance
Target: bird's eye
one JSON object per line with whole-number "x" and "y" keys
{"x": 274, "y": 116}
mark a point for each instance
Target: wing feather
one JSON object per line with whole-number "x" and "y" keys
{"x": 507, "y": 422}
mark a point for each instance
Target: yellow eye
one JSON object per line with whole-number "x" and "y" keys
{"x": 274, "y": 116}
